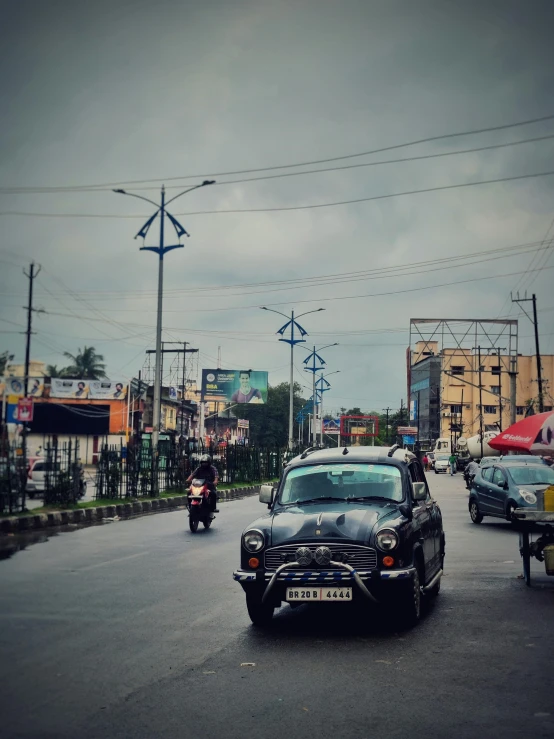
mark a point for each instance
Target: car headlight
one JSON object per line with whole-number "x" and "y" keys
{"x": 253, "y": 541}
{"x": 527, "y": 496}
{"x": 386, "y": 540}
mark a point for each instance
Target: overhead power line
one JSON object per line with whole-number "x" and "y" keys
{"x": 334, "y": 278}
{"x": 402, "y": 160}
{"x": 311, "y": 162}
{"x": 281, "y": 209}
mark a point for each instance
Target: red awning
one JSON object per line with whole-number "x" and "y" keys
{"x": 533, "y": 435}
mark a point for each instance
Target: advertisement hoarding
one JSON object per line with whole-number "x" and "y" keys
{"x": 25, "y": 410}
{"x": 332, "y": 426}
{"x": 243, "y": 423}
{"x": 69, "y": 388}
{"x": 88, "y": 389}
{"x": 234, "y": 386}
{"x": 15, "y": 386}
{"x": 107, "y": 390}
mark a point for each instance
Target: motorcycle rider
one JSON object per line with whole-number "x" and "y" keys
{"x": 207, "y": 472}
{"x": 469, "y": 473}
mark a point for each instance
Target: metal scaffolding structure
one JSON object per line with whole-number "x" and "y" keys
{"x": 446, "y": 339}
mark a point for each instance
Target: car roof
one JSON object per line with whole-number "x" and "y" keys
{"x": 359, "y": 454}
{"x": 515, "y": 459}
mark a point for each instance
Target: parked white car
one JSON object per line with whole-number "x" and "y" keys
{"x": 441, "y": 463}
{"x": 36, "y": 477}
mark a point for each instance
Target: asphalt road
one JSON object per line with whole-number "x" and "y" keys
{"x": 136, "y": 630}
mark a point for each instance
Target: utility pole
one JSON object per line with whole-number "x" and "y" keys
{"x": 535, "y": 322}
{"x": 184, "y": 351}
{"x": 387, "y": 411}
{"x": 480, "y": 402}
{"x": 32, "y": 275}
{"x": 160, "y": 250}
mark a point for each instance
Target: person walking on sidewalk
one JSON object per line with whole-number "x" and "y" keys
{"x": 425, "y": 461}
{"x": 452, "y": 460}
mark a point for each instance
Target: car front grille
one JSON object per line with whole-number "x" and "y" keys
{"x": 359, "y": 557}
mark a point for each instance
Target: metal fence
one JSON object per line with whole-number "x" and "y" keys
{"x": 134, "y": 471}
{"x": 56, "y": 476}
{"x": 62, "y": 473}
{"x": 12, "y": 478}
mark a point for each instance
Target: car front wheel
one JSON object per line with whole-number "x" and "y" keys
{"x": 260, "y": 613}
{"x": 510, "y": 508}
{"x": 407, "y": 604}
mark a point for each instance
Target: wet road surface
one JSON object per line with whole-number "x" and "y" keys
{"x": 136, "y": 629}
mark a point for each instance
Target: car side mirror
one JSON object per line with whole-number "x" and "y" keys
{"x": 266, "y": 494}
{"x": 419, "y": 490}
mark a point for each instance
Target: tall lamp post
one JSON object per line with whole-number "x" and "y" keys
{"x": 322, "y": 387}
{"x": 161, "y": 250}
{"x": 313, "y": 368}
{"x": 292, "y": 323}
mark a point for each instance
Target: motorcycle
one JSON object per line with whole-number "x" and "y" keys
{"x": 468, "y": 477}
{"x": 198, "y": 504}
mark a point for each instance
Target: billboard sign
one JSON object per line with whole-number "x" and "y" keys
{"x": 25, "y": 410}
{"x": 69, "y": 388}
{"x": 243, "y": 423}
{"x": 408, "y": 439}
{"x": 331, "y": 425}
{"x": 413, "y": 410}
{"x": 106, "y": 390}
{"x": 15, "y": 386}
{"x": 407, "y": 430}
{"x": 234, "y": 386}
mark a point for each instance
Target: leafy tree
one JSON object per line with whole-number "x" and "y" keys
{"x": 269, "y": 423}
{"x": 53, "y": 371}
{"x": 86, "y": 365}
{"x": 5, "y": 357}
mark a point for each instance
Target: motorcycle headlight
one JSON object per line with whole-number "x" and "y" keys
{"x": 528, "y": 497}
{"x": 386, "y": 540}
{"x": 253, "y": 541}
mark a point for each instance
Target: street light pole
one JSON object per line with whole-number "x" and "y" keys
{"x": 292, "y": 321}
{"x": 160, "y": 250}
{"x": 322, "y": 380}
{"x": 315, "y": 357}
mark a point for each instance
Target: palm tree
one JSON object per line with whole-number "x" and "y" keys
{"x": 52, "y": 370}
{"x": 86, "y": 365}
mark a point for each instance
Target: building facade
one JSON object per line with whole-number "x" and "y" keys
{"x": 456, "y": 392}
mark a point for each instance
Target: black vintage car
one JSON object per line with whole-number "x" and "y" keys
{"x": 345, "y": 525}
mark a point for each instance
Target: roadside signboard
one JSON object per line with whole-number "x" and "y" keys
{"x": 234, "y": 386}
{"x": 408, "y": 439}
{"x": 407, "y": 430}
{"x": 25, "y": 410}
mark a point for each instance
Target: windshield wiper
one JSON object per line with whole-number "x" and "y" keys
{"x": 369, "y": 497}
{"x": 317, "y": 500}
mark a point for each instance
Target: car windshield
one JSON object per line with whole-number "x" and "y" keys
{"x": 532, "y": 475}
{"x": 343, "y": 482}
{"x": 442, "y": 458}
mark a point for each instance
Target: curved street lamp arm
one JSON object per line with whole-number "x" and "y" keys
{"x": 307, "y": 312}
{"x": 190, "y": 189}
{"x": 133, "y": 195}
{"x": 262, "y": 307}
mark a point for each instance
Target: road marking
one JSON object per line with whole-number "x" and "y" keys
{"x": 111, "y": 561}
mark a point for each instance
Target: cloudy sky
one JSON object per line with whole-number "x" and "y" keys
{"x": 138, "y": 93}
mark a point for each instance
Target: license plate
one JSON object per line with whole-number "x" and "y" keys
{"x": 328, "y": 594}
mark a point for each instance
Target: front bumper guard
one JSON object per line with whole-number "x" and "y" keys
{"x": 345, "y": 574}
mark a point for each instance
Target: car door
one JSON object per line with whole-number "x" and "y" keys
{"x": 498, "y": 491}
{"x": 482, "y": 484}
{"x": 423, "y": 518}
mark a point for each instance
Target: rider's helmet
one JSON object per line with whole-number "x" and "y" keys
{"x": 205, "y": 459}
